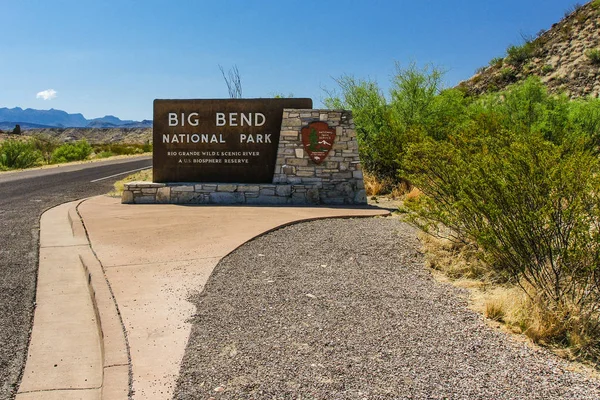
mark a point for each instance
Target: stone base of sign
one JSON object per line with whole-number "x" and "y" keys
{"x": 297, "y": 180}
{"x": 241, "y": 193}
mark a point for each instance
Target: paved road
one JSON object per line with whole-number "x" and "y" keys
{"x": 24, "y": 196}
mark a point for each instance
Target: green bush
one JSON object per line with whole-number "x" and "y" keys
{"x": 46, "y": 145}
{"x": 416, "y": 107}
{"x": 521, "y": 180}
{"x": 122, "y": 148}
{"x": 508, "y": 75}
{"x": 77, "y": 151}
{"x": 584, "y": 116}
{"x": 147, "y": 147}
{"x": 105, "y": 154}
{"x": 532, "y": 206}
{"x": 17, "y": 154}
{"x": 517, "y": 55}
{"x": 496, "y": 61}
{"x": 546, "y": 69}
{"x": 379, "y": 147}
{"x": 515, "y": 173}
{"x": 594, "y": 56}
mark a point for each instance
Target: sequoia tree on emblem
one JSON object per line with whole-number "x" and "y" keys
{"x": 318, "y": 138}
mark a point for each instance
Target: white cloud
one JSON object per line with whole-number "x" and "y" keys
{"x": 47, "y": 94}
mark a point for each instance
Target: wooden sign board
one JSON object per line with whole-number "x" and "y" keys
{"x": 229, "y": 140}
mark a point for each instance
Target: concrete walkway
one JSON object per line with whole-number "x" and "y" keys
{"x": 120, "y": 305}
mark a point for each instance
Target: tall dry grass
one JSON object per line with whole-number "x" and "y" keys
{"x": 375, "y": 186}
{"x": 564, "y": 331}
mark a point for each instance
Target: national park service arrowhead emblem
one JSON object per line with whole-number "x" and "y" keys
{"x": 318, "y": 139}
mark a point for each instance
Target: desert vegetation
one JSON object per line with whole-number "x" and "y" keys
{"x": 594, "y": 56}
{"x": 21, "y": 152}
{"x": 509, "y": 185}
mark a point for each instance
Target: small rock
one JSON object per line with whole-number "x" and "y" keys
{"x": 219, "y": 389}
{"x": 312, "y": 296}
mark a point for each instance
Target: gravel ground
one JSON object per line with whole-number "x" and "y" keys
{"x": 344, "y": 309}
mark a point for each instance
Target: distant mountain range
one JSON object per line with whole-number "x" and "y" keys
{"x": 33, "y": 119}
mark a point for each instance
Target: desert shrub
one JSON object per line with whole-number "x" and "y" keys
{"x": 147, "y": 147}
{"x": 46, "y": 145}
{"x": 573, "y": 8}
{"x": 77, "y": 151}
{"x": 517, "y": 55}
{"x": 415, "y": 108}
{"x": 594, "y": 56}
{"x": 479, "y": 70}
{"x": 547, "y": 68}
{"x": 584, "y": 115}
{"x": 122, "y": 148}
{"x": 104, "y": 154}
{"x": 379, "y": 146}
{"x": 522, "y": 183}
{"x": 507, "y": 75}
{"x": 16, "y": 154}
{"x": 496, "y": 61}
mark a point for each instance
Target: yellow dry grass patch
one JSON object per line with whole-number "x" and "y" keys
{"x": 413, "y": 194}
{"x": 506, "y": 305}
{"x": 457, "y": 261}
{"x": 373, "y": 186}
{"x": 377, "y": 187}
{"x": 143, "y": 175}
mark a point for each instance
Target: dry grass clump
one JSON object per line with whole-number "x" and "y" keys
{"x": 143, "y": 175}
{"x": 456, "y": 260}
{"x": 565, "y": 331}
{"x": 375, "y": 186}
{"x": 413, "y": 194}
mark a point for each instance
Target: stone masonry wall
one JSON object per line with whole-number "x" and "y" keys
{"x": 297, "y": 179}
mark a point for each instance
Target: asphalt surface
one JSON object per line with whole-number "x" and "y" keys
{"x": 24, "y": 196}
{"x": 345, "y": 309}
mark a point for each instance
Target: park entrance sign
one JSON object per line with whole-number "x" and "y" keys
{"x": 229, "y": 140}
{"x": 255, "y": 151}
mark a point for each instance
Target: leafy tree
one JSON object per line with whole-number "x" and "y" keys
{"x": 17, "y": 130}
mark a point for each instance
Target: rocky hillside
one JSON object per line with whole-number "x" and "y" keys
{"x": 566, "y": 57}
{"x": 97, "y": 135}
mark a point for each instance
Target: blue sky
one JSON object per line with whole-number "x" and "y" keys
{"x": 116, "y": 57}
